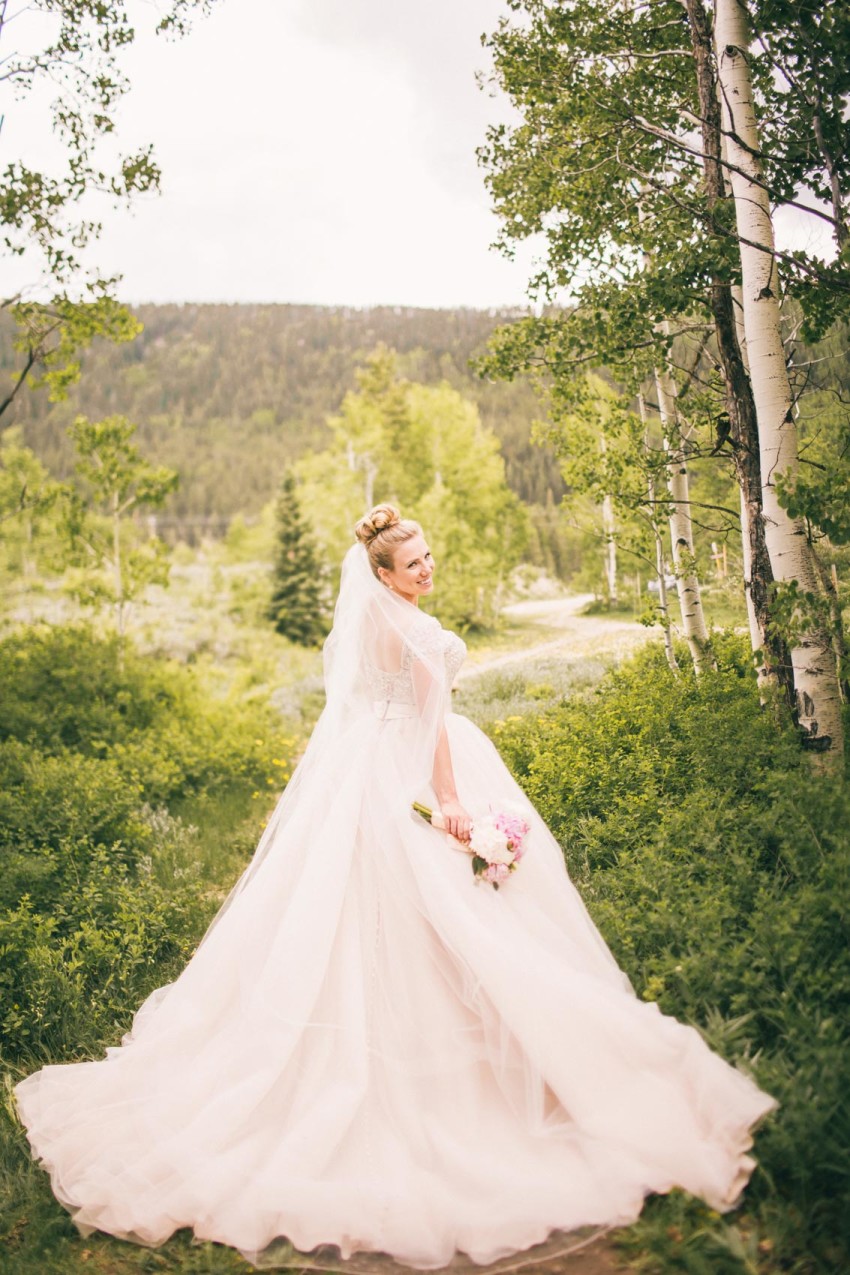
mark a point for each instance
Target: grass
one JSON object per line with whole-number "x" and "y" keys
{"x": 527, "y": 687}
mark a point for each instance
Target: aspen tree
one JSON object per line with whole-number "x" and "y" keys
{"x": 812, "y": 656}
{"x": 681, "y": 534}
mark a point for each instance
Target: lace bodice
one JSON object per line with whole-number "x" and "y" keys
{"x": 431, "y": 638}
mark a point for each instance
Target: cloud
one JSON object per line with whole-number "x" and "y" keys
{"x": 437, "y": 48}
{"x": 311, "y": 151}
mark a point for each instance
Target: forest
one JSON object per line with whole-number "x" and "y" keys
{"x": 228, "y": 395}
{"x": 657, "y": 447}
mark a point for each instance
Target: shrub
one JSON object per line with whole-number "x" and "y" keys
{"x": 66, "y": 691}
{"x": 718, "y": 868}
{"x": 72, "y": 978}
{"x": 101, "y": 897}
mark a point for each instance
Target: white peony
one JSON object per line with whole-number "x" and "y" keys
{"x": 502, "y": 854}
{"x": 489, "y": 843}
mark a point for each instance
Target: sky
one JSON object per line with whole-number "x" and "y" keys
{"x": 313, "y": 151}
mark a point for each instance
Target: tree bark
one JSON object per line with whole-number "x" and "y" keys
{"x": 610, "y": 549}
{"x": 660, "y": 565}
{"x": 829, "y": 589}
{"x": 841, "y": 230}
{"x": 774, "y": 664}
{"x": 812, "y": 657}
{"x": 681, "y": 536}
{"x": 661, "y": 577}
{"x": 609, "y": 528}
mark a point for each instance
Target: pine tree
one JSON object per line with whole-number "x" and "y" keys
{"x": 299, "y": 602}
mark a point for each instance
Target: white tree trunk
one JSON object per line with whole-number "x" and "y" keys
{"x": 660, "y": 564}
{"x": 610, "y": 548}
{"x": 609, "y": 529}
{"x": 661, "y": 576}
{"x": 752, "y": 618}
{"x": 681, "y": 535}
{"x": 815, "y": 674}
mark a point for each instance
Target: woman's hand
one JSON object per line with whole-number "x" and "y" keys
{"x": 457, "y": 820}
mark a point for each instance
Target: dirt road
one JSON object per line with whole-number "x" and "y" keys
{"x": 579, "y": 636}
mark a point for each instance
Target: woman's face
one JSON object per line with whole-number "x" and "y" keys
{"x": 413, "y": 570}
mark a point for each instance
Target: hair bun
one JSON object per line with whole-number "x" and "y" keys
{"x": 377, "y": 520}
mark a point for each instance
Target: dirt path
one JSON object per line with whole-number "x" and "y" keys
{"x": 580, "y": 636}
{"x": 590, "y": 1256}
{"x": 598, "y": 1258}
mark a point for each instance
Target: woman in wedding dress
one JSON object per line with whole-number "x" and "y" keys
{"x": 371, "y": 1049}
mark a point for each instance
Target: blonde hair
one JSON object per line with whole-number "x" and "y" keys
{"x": 382, "y": 530}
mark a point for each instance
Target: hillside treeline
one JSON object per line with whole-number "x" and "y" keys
{"x": 228, "y": 395}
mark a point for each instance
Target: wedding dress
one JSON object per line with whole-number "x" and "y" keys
{"x": 374, "y": 1051}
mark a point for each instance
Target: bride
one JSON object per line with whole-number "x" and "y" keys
{"x": 371, "y": 1049}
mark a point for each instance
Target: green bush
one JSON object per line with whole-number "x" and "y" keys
{"x": 71, "y": 979}
{"x": 718, "y": 867}
{"x": 68, "y": 688}
{"x": 101, "y": 890}
{"x": 66, "y": 691}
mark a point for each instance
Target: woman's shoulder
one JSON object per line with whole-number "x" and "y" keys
{"x": 426, "y": 636}
{"x": 423, "y": 629}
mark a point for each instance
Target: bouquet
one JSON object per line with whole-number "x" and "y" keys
{"x": 496, "y": 842}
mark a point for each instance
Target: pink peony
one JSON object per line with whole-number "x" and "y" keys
{"x": 496, "y": 873}
{"x": 514, "y": 826}
{"x": 496, "y": 842}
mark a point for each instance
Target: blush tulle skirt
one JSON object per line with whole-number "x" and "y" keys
{"x": 371, "y": 1051}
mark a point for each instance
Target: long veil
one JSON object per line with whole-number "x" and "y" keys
{"x": 375, "y": 635}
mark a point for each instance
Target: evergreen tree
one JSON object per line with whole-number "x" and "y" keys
{"x": 299, "y": 603}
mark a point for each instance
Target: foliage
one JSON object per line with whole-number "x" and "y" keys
{"x": 802, "y": 61}
{"x": 52, "y": 335}
{"x": 818, "y": 491}
{"x": 299, "y": 603}
{"x": 606, "y": 450}
{"x": 604, "y": 163}
{"x": 554, "y": 543}
{"x": 68, "y": 691}
{"x": 80, "y": 60}
{"x": 28, "y": 496}
{"x": 99, "y": 887}
{"x": 231, "y": 395}
{"x": 616, "y": 159}
{"x": 46, "y": 214}
{"x": 117, "y": 481}
{"x": 424, "y": 449}
{"x": 720, "y": 875}
{"x": 70, "y": 976}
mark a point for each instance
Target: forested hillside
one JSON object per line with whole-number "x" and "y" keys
{"x": 228, "y": 394}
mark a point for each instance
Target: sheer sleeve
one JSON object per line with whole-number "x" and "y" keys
{"x": 423, "y": 660}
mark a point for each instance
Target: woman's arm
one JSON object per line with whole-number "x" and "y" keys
{"x": 430, "y": 693}
{"x": 456, "y": 817}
